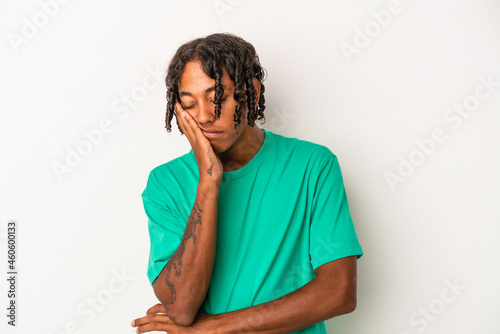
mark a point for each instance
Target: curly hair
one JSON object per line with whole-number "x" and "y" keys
{"x": 214, "y": 52}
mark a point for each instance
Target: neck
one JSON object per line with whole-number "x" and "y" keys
{"x": 243, "y": 150}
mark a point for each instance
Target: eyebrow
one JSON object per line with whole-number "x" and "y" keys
{"x": 208, "y": 90}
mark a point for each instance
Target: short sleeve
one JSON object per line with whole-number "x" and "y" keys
{"x": 332, "y": 233}
{"x": 165, "y": 228}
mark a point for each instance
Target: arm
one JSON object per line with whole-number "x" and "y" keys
{"x": 331, "y": 293}
{"x": 182, "y": 284}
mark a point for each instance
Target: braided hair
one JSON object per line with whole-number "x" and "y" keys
{"x": 214, "y": 52}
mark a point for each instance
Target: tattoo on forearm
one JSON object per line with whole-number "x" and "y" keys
{"x": 175, "y": 261}
{"x": 209, "y": 170}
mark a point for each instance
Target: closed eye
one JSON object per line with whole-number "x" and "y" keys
{"x": 188, "y": 107}
{"x": 223, "y": 99}
{"x": 193, "y": 105}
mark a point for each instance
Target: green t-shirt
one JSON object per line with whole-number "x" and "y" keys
{"x": 280, "y": 216}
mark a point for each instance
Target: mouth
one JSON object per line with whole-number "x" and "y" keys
{"x": 212, "y": 133}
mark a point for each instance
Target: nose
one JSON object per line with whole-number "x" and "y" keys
{"x": 205, "y": 113}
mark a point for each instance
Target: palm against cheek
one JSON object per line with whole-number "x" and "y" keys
{"x": 208, "y": 162}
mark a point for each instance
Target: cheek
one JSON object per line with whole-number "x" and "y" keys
{"x": 226, "y": 114}
{"x": 230, "y": 112}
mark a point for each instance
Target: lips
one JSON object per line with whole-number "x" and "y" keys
{"x": 211, "y": 133}
{"x": 209, "y": 130}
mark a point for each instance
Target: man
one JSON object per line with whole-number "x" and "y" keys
{"x": 250, "y": 231}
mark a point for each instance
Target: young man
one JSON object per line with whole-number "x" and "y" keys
{"x": 250, "y": 231}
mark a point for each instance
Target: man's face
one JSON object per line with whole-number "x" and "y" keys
{"x": 197, "y": 91}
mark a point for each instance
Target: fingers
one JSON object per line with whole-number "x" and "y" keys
{"x": 181, "y": 119}
{"x": 153, "y": 322}
{"x": 192, "y": 125}
{"x": 179, "y": 114}
{"x": 189, "y": 126}
{"x": 202, "y": 148}
{"x": 158, "y": 308}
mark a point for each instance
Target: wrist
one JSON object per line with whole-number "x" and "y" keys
{"x": 214, "y": 323}
{"x": 208, "y": 188}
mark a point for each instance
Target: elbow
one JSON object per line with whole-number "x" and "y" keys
{"x": 350, "y": 305}
{"x": 180, "y": 313}
{"x": 348, "y": 300}
{"x": 180, "y": 317}
{"x": 343, "y": 304}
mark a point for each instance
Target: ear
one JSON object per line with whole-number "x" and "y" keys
{"x": 256, "y": 84}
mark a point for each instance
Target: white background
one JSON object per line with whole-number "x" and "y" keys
{"x": 77, "y": 232}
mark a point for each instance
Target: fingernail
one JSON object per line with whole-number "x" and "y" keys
{"x": 132, "y": 323}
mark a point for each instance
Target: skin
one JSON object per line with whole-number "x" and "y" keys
{"x": 235, "y": 147}
{"x": 182, "y": 284}
{"x": 331, "y": 293}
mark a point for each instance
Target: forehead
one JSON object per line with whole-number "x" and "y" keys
{"x": 194, "y": 80}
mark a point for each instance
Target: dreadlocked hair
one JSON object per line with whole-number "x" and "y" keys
{"x": 215, "y": 52}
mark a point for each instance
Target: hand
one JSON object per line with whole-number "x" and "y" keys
{"x": 157, "y": 320}
{"x": 209, "y": 164}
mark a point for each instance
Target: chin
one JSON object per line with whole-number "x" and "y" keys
{"x": 218, "y": 148}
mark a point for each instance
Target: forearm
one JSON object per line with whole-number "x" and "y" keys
{"x": 182, "y": 284}
{"x": 321, "y": 299}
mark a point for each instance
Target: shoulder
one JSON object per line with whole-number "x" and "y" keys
{"x": 303, "y": 149}
{"x": 176, "y": 168}
{"x": 178, "y": 163}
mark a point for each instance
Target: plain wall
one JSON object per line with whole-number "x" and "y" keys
{"x": 406, "y": 94}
